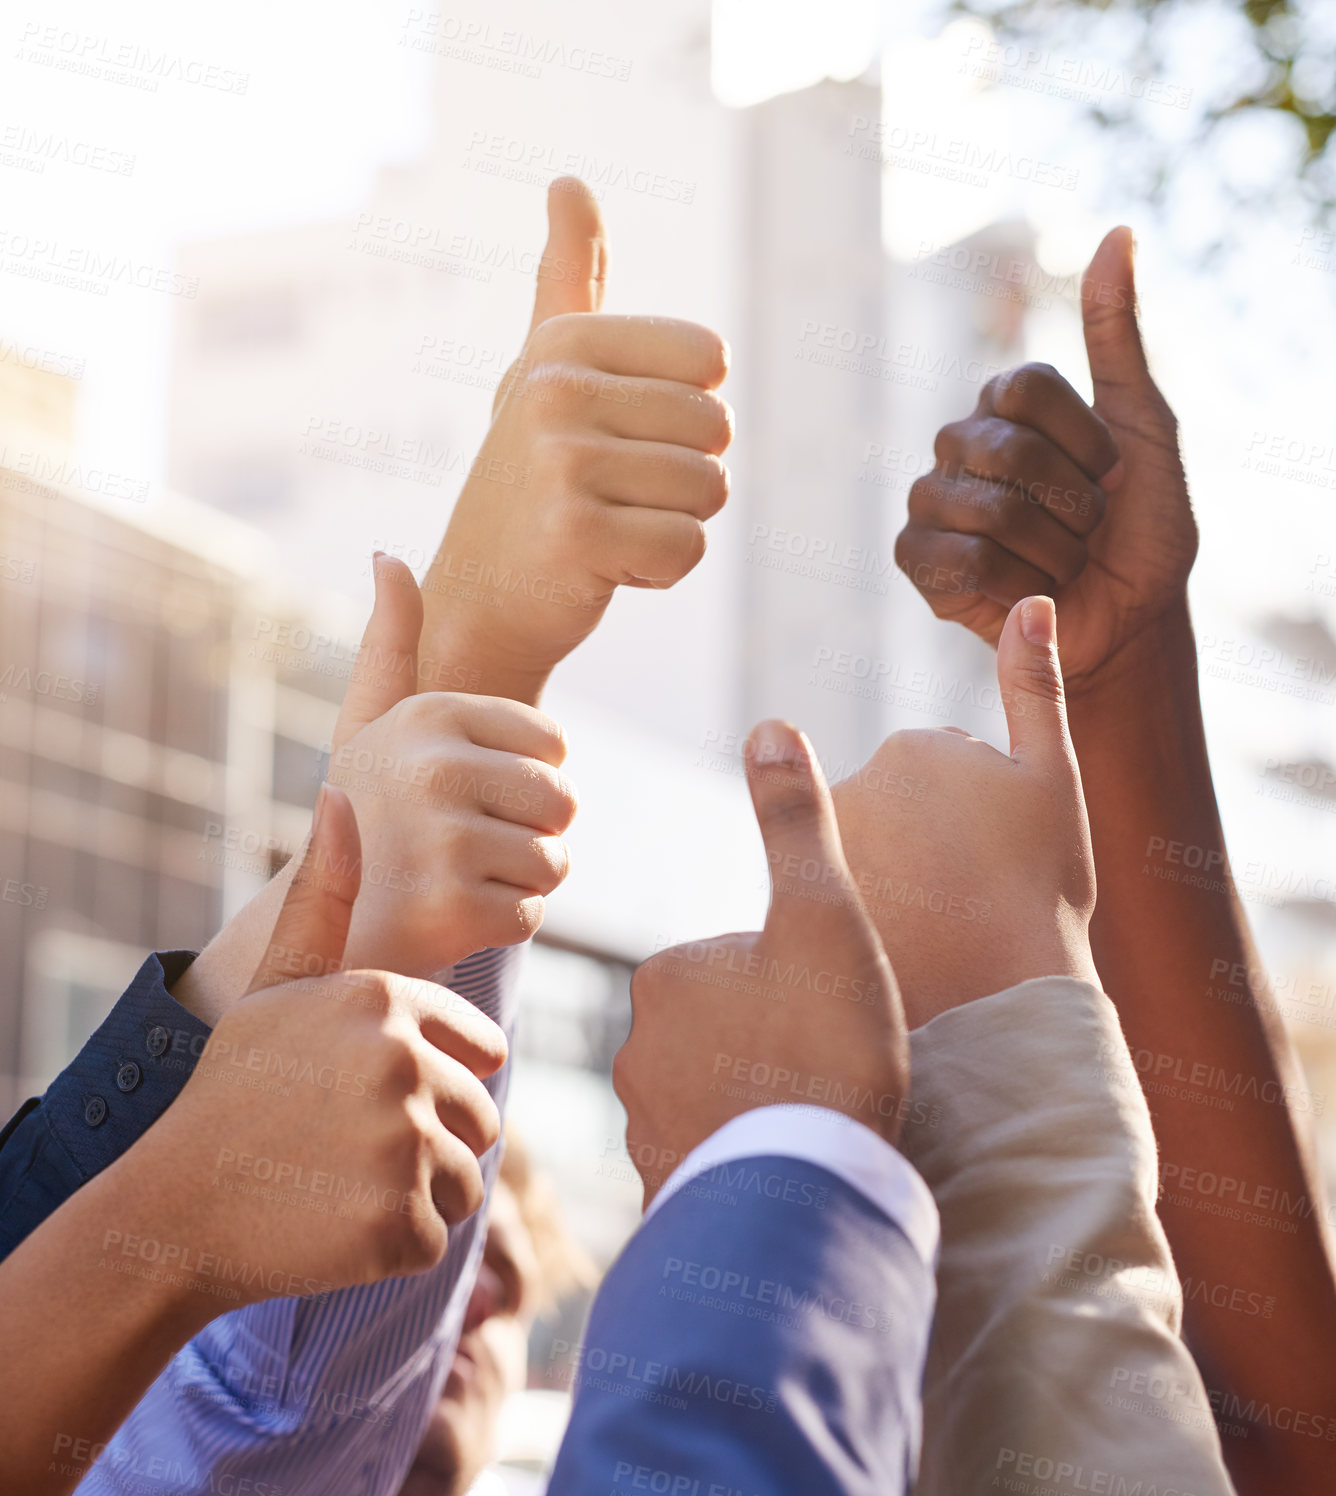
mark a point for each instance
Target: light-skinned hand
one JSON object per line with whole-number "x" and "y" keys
{"x": 805, "y": 1011}
{"x": 976, "y": 865}
{"x": 601, "y": 466}
{"x": 330, "y": 1132}
{"x": 459, "y": 800}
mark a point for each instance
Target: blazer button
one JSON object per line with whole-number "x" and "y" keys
{"x": 95, "y": 1111}
{"x": 158, "y": 1040}
{"x": 128, "y": 1076}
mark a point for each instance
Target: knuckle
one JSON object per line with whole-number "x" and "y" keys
{"x": 551, "y": 863}
{"x": 563, "y": 459}
{"x": 922, "y": 503}
{"x": 693, "y": 543}
{"x": 1033, "y": 381}
{"x": 619, "y": 1068}
{"x": 470, "y": 1190}
{"x": 1019, "y": 449}
{"x": 1019, "y": 390}
{"x": 560, "y": 803}
{"x": 1038, "y": 678}
{"x": 554, "y": 338}
{"x": 648, "y": 981}
{"x": 399, "y": 1064}
{"x": 444, "y": 782}
{"x": 552, "y": 730}
{"x": 788, "y": 813}
{"x": 509, "y": 921}
{"x": 717, "y": 420}
{"x": 980, "y": 558}
{"x": 373, "y": 991}
{"x": 949, "y": 440}
{"x": 554, "y": 385}
{"x": 489, "y": 1122}
{"x": 714, "y": 485}
{"x": 492, "y": 1044}
{"x": 713, "y": 355}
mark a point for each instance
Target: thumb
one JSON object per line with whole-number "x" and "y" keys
{"x": 386, "y": 668}
{"x": 809, "y": 876}
{"x": 1109, "y": 319}
{"x": 312, "y": 926}
{"x": 574, "y": 266}
{"x": 1029, "y": 680}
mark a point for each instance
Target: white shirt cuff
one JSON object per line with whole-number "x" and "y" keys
{"x": 831, "y": 1141}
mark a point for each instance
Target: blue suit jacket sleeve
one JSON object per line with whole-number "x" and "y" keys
{"x": 764, "y": 1332}
{"x": 121, "y": 1082}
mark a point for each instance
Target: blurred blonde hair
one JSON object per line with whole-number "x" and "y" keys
{"x": 564, "y": 1267}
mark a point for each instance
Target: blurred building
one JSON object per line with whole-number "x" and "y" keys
{"x": 161, "y": 715}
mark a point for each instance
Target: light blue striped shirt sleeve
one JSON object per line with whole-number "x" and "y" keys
{"x": 296, "y": 1396}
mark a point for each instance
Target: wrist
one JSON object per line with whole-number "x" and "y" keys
{"x": 217, "y": 979}
{"x": 467, "y": 661}
{"x": 1159, "y": 658}
{"x": 1008, "y": 963}
{"x": 1138, "y": 731}
{"x": 156, "y": 1226}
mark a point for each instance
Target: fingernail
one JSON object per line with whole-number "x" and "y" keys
{"x": 775, "y": 742}
{"x": 1039, "y": 620}
{"x": 1114, "y": 476}
{"x": 318, "y": 812}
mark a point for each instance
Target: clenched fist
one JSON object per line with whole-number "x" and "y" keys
{"x": 1037, "y": 492}
{"x": 805, "y": 1011}
{"x": 601, "y": 466}
{"x": 368, "y": 1081}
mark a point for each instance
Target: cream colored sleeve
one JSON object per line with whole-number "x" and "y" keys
{"x": 1055, "y": 1364}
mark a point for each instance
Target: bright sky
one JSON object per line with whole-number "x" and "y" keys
{"x": 205, "y": 158}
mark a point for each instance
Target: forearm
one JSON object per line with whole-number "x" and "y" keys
{"x": 82, "y": 1341}
{"x": 1056, "y": 1336}
{"x": 458, "y": 625}
{"x": 797, "y": 1369}
{"x": 1240, "y": 1200}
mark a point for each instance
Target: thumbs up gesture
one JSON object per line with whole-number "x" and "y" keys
{"x": 330, "y": 1133}
{"x": 459, "y": 799}
{"x": 976, "y": 865}
{"x": 1037, "y": 492}
{"x": 805, "y": 1011}
{"x": 601, "y": 466}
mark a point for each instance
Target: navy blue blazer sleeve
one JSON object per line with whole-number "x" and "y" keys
{"x": 764, "y": 1332}
{"x": 118, "y": 1085}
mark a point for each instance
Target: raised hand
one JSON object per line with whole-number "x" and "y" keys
{"x": 1038, "y": 492}
{"x": 459, "y": 800}
{"x": 602, "y": 464}
{"x": 331, "y": 1131}
{"x": 976, "y": 865}
{"x": 460, "y": 806}
{"x": 804, "y": 1011}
